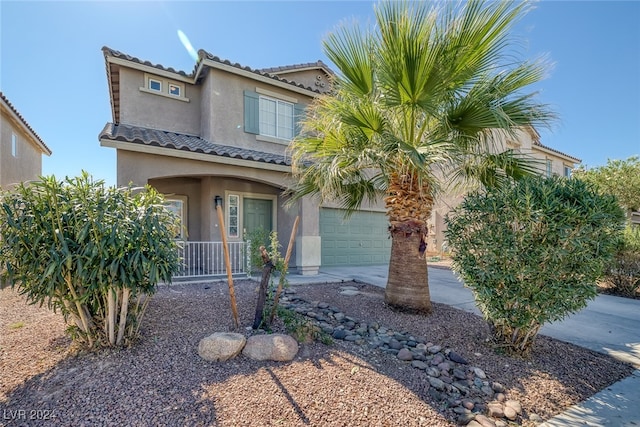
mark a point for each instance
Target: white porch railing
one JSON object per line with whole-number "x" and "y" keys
{"x": 202, "y": 259}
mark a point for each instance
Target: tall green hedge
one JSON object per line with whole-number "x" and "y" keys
{"x": 532, "y": 252}
{"x": 93, "y": 252}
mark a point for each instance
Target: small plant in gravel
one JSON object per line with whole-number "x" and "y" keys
{"x": 302, "y": 329}
{"x": 532, "y": 252}
{"x": 95, "y": 253}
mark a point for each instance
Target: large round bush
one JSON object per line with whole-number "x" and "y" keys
{"x": 532, "y": 252}
{"x": 93, "y": 252}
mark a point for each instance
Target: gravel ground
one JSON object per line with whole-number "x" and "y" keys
{"x": 161, "y": 380}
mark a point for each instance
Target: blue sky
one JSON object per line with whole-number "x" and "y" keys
{"x": 53, "y": 71}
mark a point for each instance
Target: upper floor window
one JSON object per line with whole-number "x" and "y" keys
{"x": 549, "y": 169}
{"x": 276, "y": 118}
{"x": 271, "y": 115}
{"x": 567, "y": 171}
{"x": 155, "y": 85}
{"x": 161, "y": 86}
{"x": 14, "y": 145}
{"x": 175, "y": 89}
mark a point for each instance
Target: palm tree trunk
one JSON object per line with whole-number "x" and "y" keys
{"x": 408, "y": 283}
{"x": 409, "y": 203}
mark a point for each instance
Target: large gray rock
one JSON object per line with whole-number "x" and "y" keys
{"x": 221, "y": 346}
{"x": 278, "y": 347}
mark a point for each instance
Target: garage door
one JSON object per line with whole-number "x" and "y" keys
{"x": 363, "y": 239}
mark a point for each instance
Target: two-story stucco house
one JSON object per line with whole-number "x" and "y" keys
{"x": 21, "y": 148}
{"x": 222, "y": 132}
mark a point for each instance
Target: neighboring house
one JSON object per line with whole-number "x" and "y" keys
{"x": 21, "y": 148}
{"x": 549, "y": 162}
{"x": 223, "y": 131}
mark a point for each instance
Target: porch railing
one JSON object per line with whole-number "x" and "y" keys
{"x": 203, "y": 259}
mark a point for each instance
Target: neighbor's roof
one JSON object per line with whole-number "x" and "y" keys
{"x": 537, "y": 143}
{"x": 43, "y": 147}
{"x": 177, "y": 141}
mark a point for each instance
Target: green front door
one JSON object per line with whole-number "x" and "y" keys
{"x": 257, "y": 214}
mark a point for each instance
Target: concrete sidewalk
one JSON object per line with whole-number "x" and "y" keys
{"x": 609, "y": 325}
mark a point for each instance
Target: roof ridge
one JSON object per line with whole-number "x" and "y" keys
{"x": 203, "y": 54}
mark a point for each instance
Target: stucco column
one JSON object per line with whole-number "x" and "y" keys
{"x": 308, "y": 241}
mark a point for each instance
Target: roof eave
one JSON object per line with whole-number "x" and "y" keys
{"x": 172, "y": 152}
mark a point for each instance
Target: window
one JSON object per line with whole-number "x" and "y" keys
{"x": 178, "y": 205}
{"x": 174, "y": 89}
{"x": 14, "y": 145}
{"x": 271, "y": 116}
{"x": 155, "y": 85}
{"x": 276, "y": 118}
{"x": 160, "y": 86}
{"x": 548, "y": 168}
{"x": 567, "y": 171}
{"x": 234, "y": 205}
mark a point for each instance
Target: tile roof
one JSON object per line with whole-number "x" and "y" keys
{"x": 47, "y": 150}
{"x": 294, "y": 67}
{"x": 539, "y": 144}
{"x": 203, "y": 54}
{"x": 165, "y": 139}
{"x": 117, "y": 54}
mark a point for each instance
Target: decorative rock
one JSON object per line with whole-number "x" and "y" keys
{"x": 457, "y": 373}
{"x": 497, "y": 387}
{"x": 484, "y": 421}
{"x": 419, "y": 365}
{"x": 510, "y": 413}
{"x": 349, "y": 292}
{"x": 436, "y": 383}
{"x": 535, "y": 418}
{"x": 221, "y": 346}
{"x": 479, "y": 373}
{"x": 444, "y": 366}
{"x": 501, "y": 423}
{"x": 395, "y": 344}
{"x": 405, "y": 355}
{"x": 437, "y": 359}
{"x": 495, "y": 410}
{"x": 339, "y": 334}
{"x": 468, "y": 404}
{"x": 487, "y": 390}
{"x": 455, "y": 357}
{"x": 434, "y": 349}
{"x": 433, "y": 372}
{"x": 277, "y": 347}
{"x": 500, "y": 397}
{"x": 474, "y": 423}
{"x": 515, "y": 405}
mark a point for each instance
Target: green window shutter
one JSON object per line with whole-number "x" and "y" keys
{"x": 251, "y": 112}
{"x": 298, "y": 116}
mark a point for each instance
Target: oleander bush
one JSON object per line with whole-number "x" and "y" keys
{"x": 92, "y": 252}
{"x": 623, "y": 272}
{"x": 532, "y": 252}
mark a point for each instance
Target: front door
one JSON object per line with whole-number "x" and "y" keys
{"x": 257, "y": 214}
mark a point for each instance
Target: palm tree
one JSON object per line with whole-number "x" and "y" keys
{"x": 418, "y": 103}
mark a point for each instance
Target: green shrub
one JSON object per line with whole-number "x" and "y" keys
{"x": 623, "y": 272}
{"x": 532, "y": 252}
{"x": 94, "y": 253}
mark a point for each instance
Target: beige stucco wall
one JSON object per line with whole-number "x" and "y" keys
{"x": 27, "y": 164}
{"x": 150, "y": 110}
{"x": 223, "y": 111}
